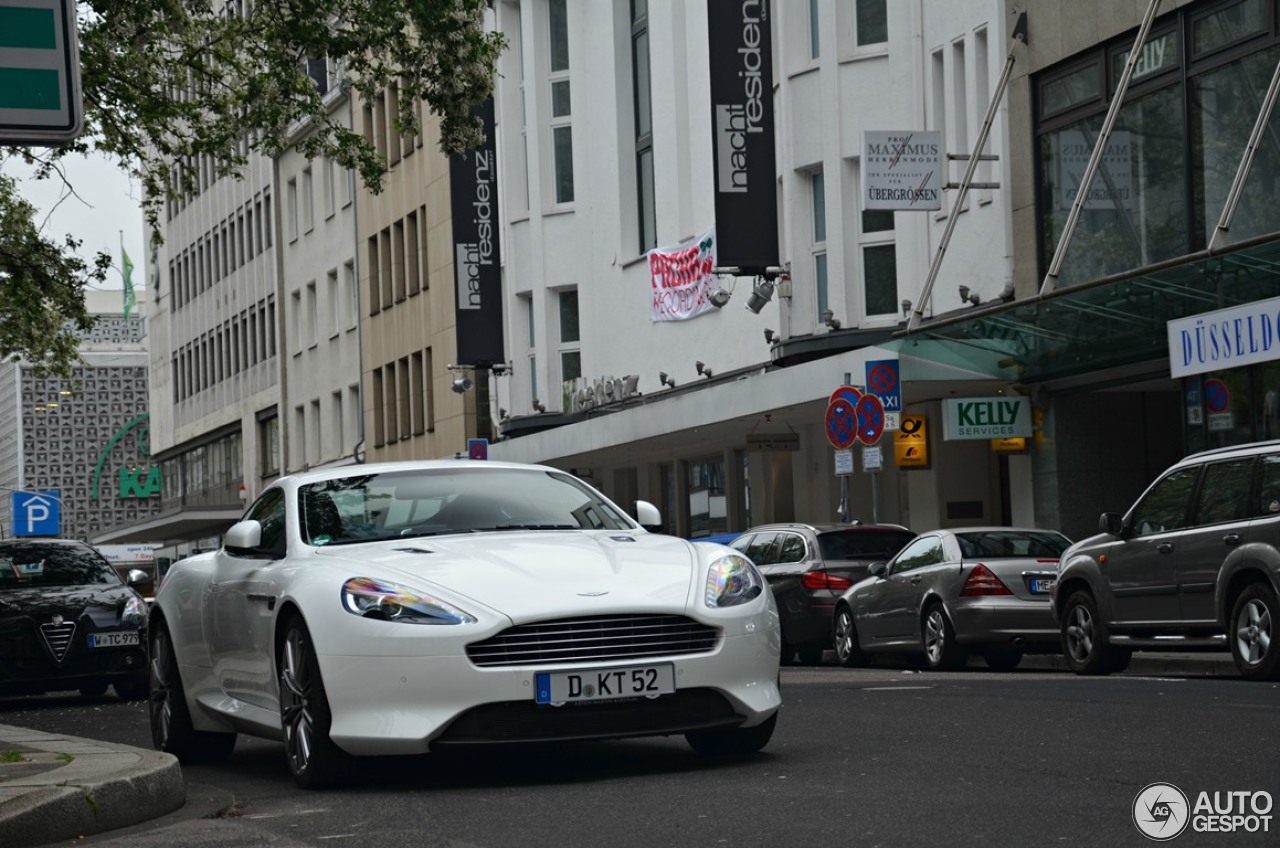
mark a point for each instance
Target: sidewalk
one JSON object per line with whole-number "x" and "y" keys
{"x": 55, "y": 787}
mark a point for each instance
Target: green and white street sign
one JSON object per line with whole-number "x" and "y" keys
{"x": 1005, "y": 417}
{"x": 40, "y": 101}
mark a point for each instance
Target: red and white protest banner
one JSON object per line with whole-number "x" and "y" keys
{"x": 680, "y": 279}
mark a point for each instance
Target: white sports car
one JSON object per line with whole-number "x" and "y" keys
{"x": 395, "y": 608}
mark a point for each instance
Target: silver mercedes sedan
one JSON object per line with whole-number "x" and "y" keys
{"x": 949, "y": 593}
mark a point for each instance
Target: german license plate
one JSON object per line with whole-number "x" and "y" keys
{"x": 1041, "y": 586}
{"x": 603, "y": 684}
{"x": 113, "y": 640}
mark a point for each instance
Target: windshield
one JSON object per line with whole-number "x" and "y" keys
{"x": 370, "y": 507}
{"x": 994, "y": 544}
{"x": 863, "y": 543}
{"x": 24, "y": 564}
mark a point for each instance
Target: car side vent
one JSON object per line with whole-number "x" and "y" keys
{"x": 595, "y": 639}
{"x": 58, "y": 638}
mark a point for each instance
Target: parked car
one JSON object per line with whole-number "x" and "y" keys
{"x": 398, "y": 608}
{"x": 68, "y": 622}
{"x": 948, "y": 593}
{"x": 1194, "y": 565}
{"x": 808, "y": 567}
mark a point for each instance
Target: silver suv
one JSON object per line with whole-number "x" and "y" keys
{"x": 1194, "y": 565}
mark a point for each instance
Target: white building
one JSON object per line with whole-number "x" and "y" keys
{"x": 254, "y": 338}
{"x": 742, "y": 440}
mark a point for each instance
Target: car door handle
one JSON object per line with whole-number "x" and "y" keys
{"x": 1232, "y": 539}
{"x": 915, "y": 581}
{"x": 1165, "y": 547}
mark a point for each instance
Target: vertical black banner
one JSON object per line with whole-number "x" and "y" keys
{"x": 742, "y": 143}
{"x": 473, "y": 189}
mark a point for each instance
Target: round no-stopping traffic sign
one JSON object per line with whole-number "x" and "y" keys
{"x": 870, "y": 415}
{"x": 841, "y": 423}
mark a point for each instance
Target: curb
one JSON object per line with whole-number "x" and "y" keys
{"x": 1155, "y": 663}
{"x": 103, "y": 787}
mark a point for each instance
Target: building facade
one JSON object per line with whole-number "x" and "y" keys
{"x": 83, "y": 441}
{"x": 608, "y": 147}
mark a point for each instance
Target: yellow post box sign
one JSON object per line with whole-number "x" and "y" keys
{"x": 911, "y": 442}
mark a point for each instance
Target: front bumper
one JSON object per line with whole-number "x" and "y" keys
{"x": 405, "y": 704}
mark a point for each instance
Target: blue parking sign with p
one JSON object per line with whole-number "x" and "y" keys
{"x": 883, "y": 382}
{"x": 36, "y": 513}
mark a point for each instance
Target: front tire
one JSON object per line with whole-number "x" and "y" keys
{"x": 849, "y": 651}
{"x": 171, "y": 727}
{"x": 733, "y": 741}
{"x": 941, "y": 651}
{"x": 315, "y": 761}
{"x": 1255, "y": 617}
{"x": 1086, "y": 644}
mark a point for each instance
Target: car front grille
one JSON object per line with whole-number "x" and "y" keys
{"x": 58, "y": 638}
{"x": 595, "y": 639}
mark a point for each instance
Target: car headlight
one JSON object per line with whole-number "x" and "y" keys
{"x": 370, "y": 598}
{"x": 135, "y": 612}
{"x": 732, "y": 580}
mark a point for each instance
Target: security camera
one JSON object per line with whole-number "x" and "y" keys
{"x": 461, "y": 385}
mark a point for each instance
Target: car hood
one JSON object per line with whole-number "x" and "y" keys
{"x": 523, "y": 574}
{"x": 101, "y": 601}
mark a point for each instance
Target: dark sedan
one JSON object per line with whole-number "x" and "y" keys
{"x": 808, "y": 567}
{"x": 67, "y": 621}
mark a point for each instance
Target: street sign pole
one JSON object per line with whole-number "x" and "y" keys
{"x": 40, "y": 100}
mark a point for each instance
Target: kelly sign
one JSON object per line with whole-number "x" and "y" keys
{"x": 987, "y": 418}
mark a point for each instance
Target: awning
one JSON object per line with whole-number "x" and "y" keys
{"x": 1099, "y": 325}
{"x": 185, "y": 525}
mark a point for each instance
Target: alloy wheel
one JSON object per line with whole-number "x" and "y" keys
{"x": 295, "y": 693}
{"x": 1253, "y": 631}
{"x": 935, "y": 636}
{"x": 160, "y": 704}
{"x": 1079, "y": 633}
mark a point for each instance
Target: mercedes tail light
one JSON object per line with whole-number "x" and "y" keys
{"x": 981, "y": 581}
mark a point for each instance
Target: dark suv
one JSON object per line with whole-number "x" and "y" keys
{"x": 809, "y": 566}
{"x": 1194, "y": 565}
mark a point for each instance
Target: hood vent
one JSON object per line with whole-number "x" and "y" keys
{"x": 58, "y": 638}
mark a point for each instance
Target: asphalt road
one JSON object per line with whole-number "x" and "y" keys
{"x": 868, "y": 757}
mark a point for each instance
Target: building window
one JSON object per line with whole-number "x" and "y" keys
{"x": 561, "y": 106}
{"x": 570, "y": 341}
{"x": 312, "y": 317}
{"x": 291, "y": 213}
{"x": 642, "y": 93}
{"x": 815, "y": 30}
{"x": 871, "y": 22}
{"x": 879, "y": 263}
{"x": 818, "y": 193}
{"x": 299, "y": 445}
{"x": 308, "y": 201}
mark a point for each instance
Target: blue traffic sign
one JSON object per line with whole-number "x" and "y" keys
{"x": 36, "y": 513}
{"x": 477, "y": 448}
{"x": 883, "y": 382}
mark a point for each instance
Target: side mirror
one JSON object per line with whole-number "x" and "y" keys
{"x": 878, "y": 569}
{"x": 136, "y": 577}
{"x": 648, "y": 516}
{"x": 244, "y": 537}
{"x": 1111, "y": 522}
